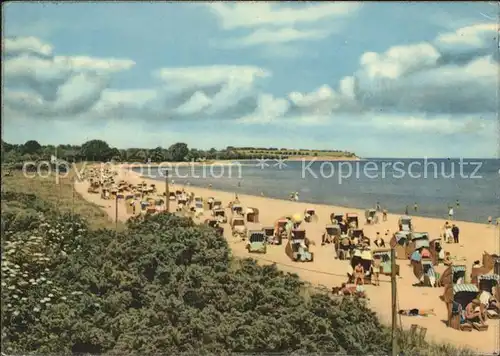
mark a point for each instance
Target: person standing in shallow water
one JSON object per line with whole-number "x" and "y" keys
{"x": 406, "y": 210}
{"x": 415, "y": 207}
{"x": 377, "y": 207}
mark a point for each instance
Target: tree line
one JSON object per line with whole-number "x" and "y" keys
{"x": 101, "y": 151}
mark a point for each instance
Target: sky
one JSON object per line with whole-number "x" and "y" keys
{"x": 377, "y": 79}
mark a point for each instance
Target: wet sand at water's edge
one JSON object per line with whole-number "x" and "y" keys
{"x": 326, "y": 270}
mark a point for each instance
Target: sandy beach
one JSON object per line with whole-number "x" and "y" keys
{"x": 326, "y": 270}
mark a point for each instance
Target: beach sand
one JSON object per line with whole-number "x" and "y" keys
{"x": 326, "y": 270}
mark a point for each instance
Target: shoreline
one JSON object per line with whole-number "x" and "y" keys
{"x": 325, "y": 205}
{"x": 230, "y": 162}
{"x": 327, "y": 271}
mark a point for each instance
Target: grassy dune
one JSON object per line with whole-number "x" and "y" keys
{"x": 60, "y": 193}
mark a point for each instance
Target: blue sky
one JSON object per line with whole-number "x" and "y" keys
{"x": 379, "y": 79}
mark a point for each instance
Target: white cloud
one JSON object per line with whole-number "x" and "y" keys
{"x": 272, "y": 23}
{"x": 83, "y": 63}
{"x": 283, "y": 35}
{"x": 195, "y": 104}
{"x": 418, "y": 78}
{"x": 20, "y": 45}
{"x": 268, "y": 109}
{"x": 420, "y": 87}
{"x": 54, "y": 85}
{"x": 72, "y": 85}
{"x": 251, "y": 15}
{"x": 476, "y": 36}
{"x": 398, "y": 61}
{"x": 211, "y": 75}
{"x": 115, "y": 98}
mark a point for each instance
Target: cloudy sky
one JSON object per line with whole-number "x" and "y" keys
{"x": 379, "y": 79}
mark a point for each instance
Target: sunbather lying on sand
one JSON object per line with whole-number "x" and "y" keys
{"x": 416, "y": 312}
{"x": 349, "y": 289}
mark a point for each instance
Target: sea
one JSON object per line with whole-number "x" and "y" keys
{"x": 471, "y": 186}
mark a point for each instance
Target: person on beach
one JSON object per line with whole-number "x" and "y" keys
{"x": 474, "y": 313}
{"x": 447, "y": 259}
{"x": 450, "y": 213}
{"x": 349, "y": 289}
{"x": 476, "y": 264}
{"x": 415, "y": 207}
{"x": 384, "y": 215}
{"x": 416, "y": 312}
{"x": 487, "y": 299}
{"x": 210, "y": 203}
{"x": 406, "y": 210}
{"x": 343, "y": 226}
{"x": 359, "y": 274}
{"x": 490, "y": 219}
{"x": 455, "y": 231}
{"x": 447, "y": 234}
{"x": 379, "y": 242}
{"x": 376, "y": 264}
{"x": 378, "y": 206}
{"x": 296, "y": 196}
{"x": 288, "y": 226}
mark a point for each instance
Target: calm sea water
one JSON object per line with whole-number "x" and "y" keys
{"x": 395, "y": 183}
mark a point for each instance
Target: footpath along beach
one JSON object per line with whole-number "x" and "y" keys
{"x": 326, "y": 270}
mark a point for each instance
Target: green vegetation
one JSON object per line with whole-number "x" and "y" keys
{"x": 59, "y": 192}
{"x": 163, "y": 285}
{"x": 98, "y": 150}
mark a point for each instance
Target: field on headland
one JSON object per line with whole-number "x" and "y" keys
{"x": 293, "y": 154}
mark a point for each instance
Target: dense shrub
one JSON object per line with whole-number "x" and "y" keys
{"x": 164, "y": 286}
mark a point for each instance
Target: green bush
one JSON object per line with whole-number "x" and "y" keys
{"x": 165, "y": 285}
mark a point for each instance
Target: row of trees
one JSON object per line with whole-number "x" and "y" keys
{"x": 163, "y": 286}
{"x": 98, "y": 150}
